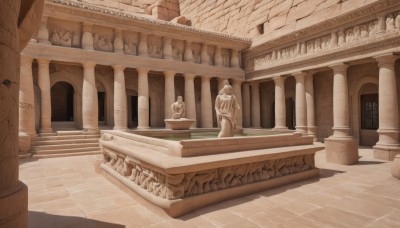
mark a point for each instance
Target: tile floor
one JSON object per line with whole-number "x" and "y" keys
{"x": 66, "y": 192}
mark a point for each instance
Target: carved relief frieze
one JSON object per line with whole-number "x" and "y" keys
{"x": 176, "y": 186}
{"x": 65, "y": 38}
{"x": 337, "y": 40}
{"x": 101, "y": 43}
{"x": 154, "y": 46}
{"x": 130, "y": 48}
{"x": 196, "y": 49}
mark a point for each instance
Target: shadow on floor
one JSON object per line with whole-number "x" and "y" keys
{"x": 27, "y": 160}
{"x": 44, "y": 220}
{"x": 369, "y": 162}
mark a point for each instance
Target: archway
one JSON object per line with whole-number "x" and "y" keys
{"x": 62, "y": 102}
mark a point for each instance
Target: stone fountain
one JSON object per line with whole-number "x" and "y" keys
{"x": 178, "y": 120}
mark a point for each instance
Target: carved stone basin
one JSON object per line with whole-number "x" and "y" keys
{"x": 181, "y": 176}
{"x": 179, "y": 124}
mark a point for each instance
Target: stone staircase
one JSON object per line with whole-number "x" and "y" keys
{"x": 65, "y": 143}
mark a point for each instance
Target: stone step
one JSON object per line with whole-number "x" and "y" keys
{"x": 40, "y": 156}
{"x": 73, "y": 132}
{"x": 69, "y": 150}
{"x": 64, "y": 137}
{"x": 47, "y": 134}
{"x": 64, "y": 141}
{"x": 64, "y": 146}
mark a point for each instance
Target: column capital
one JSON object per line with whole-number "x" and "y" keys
{"x": 339, "y": 67}
{"x": 279, "y": 79}
{"x": 388, "y": 58}
{"x": 143, "y": 35}
{"x": 188, "y": 42}
{"x": 117, "y": 30}
{"x": 89, "y": 64}
{"x": 254, "y": 84}
{"x": 43, "y": 61}
{"x": 26, "y": 59}
{"x": 237, "y": 80}
{"x": 189, "y": 76}
{"x": 87, "y": 27}
{"x": 300, "y": 74}
{"x": 142, "y": 71}
{"x": 169, "y": 73}
{"x": 118, "y": 67}
{"x": 205, "y": 77}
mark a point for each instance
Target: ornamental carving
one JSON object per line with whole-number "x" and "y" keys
{"x": 346, "y": 37}
{"x": 25, "y": 105}
{"x": 101, "y": 43}
{"x": 176, "y": 186}
{"x": 130, "y": 48}
{"x": 64, "y": 38}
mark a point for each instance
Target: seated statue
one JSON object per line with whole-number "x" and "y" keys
{"x": 226, "y": 107}
{"x": 178, "y": 108}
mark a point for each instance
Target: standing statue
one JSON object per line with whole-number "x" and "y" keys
{"x": 178, "y": 108}
{"x": 226, "y": 107}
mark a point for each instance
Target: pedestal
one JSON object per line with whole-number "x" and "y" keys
{"x": 179, "y": 124}
{"x": 14, "y": 207}
{"x": 386, "y": 152}
{"x": 343, "y": 151}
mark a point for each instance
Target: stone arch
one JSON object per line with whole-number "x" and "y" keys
{"x": 355, "y": 103}
{"x": 73, "y": 78}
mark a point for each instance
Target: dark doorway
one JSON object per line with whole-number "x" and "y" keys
{"x": 134, "y": 113}
{"x": 102, "y": 105}
{"x": 62, "y": 102}
{"x": 290, "y": 114}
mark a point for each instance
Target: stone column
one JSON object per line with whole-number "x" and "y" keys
{"x": 90, "y": 106}
{"x": 118, "y": 42}
{"x": 206, "y": 103}
{"x": 43, "y": 33}
{"x": 142, "y": 49}
{"x": 169, "y": 93}
{"x": 280, "y": 104}
{"x": 301, "y": 105}
{"x": 235, "y": 58}
{"x": 188, "y": 55}
{"x": 334, "y": 39}
{"x": 246, "y": 105}
{"x": 311, "y": 128}
{"x": 341, "y": 148}
{"x": 205, "y": 58}
{"x": 87, "y": 37}
{"x": 26, "y": 97}
{"x": 189, "y": 99}
{"x": 217, "y": 56}
{"x": 255, "y": 105}
{"x": 237, "y": 89}
{"x": 120, "y": 102}
{"x": 45, "y": 95}
{"x": 388, "y": 146}
{"x": 143, "y": 99}
{"x": 167, "y": 48}
{"x": 381, "y": 23}
{"x": 220, "y": 83}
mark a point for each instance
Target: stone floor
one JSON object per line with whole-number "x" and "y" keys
{"x": 66, "y": 192}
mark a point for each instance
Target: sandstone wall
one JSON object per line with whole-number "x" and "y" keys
{"x": 241, "y": 17}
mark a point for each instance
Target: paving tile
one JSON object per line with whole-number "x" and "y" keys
{"x": 338, "y": 218}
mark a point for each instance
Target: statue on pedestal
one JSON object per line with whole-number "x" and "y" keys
{"x": 226, "y": 107}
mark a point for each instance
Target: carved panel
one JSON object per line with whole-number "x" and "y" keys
{"x": 196, "y": 49}
{"x": 176, "y": 186}
{"x": 154, "y": 46}
{"x": 101, "y": 43}
{"x": 64, "y": 38}
{"x": 177, "y": 49}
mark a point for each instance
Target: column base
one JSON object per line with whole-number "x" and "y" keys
{"x": 120, "y": 128}
{"x": 25, "y": 145}
{"x": 46, "y": 130}
{"x": 386, "y": 152}
{"x": 341, "y": 150}
{"x": 301, "y": 129}
{"x": 280, "y": 129}
{"x": 312, "y": 131}
{"x": 143, "y": 128}
{"x": 14, "y": 207}
{"x": 395, "y": 170}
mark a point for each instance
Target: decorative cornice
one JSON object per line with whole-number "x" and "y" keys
{"x": 322, "y": 26}
{"x": 131, "y": 16}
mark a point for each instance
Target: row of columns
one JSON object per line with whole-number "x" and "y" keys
{"x": 90, "y": 99}
{"x": 142, "y": 50}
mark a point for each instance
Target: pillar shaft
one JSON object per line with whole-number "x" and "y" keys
{"x": 120, "y": 102}
{"x": 142, "y": 49}
{"x": 206, "y": 103}
{"x": 87, "y": 37}
{"x": 90, "y": 109}
{"x": 189, "y": 98}
{"x": 169, "y": 93}
{"x": 311, "y": 129}
{"x": 218, "y": 56}
{"x": 280, "y": 103}
{"x": 205, "y": 58}
{"x": 118, "y": 42}
{"x": 143, "y": 99}
{"x": 301, "y": 106}
{"x": 237, "y": 89}
{"x": 340, "y": 101}
{"x": 167, "y": 48}
{"x": 188, "y": 55}
{"x": 246, "y": 105}
{"x": 26, "y": 98}
{"x": 255, "y": 106}
{"x": 388, "y": 103}
{"x": 45, "y": 95}
{"x": 43, "y": 33}
{"x": 235, "y": 59}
